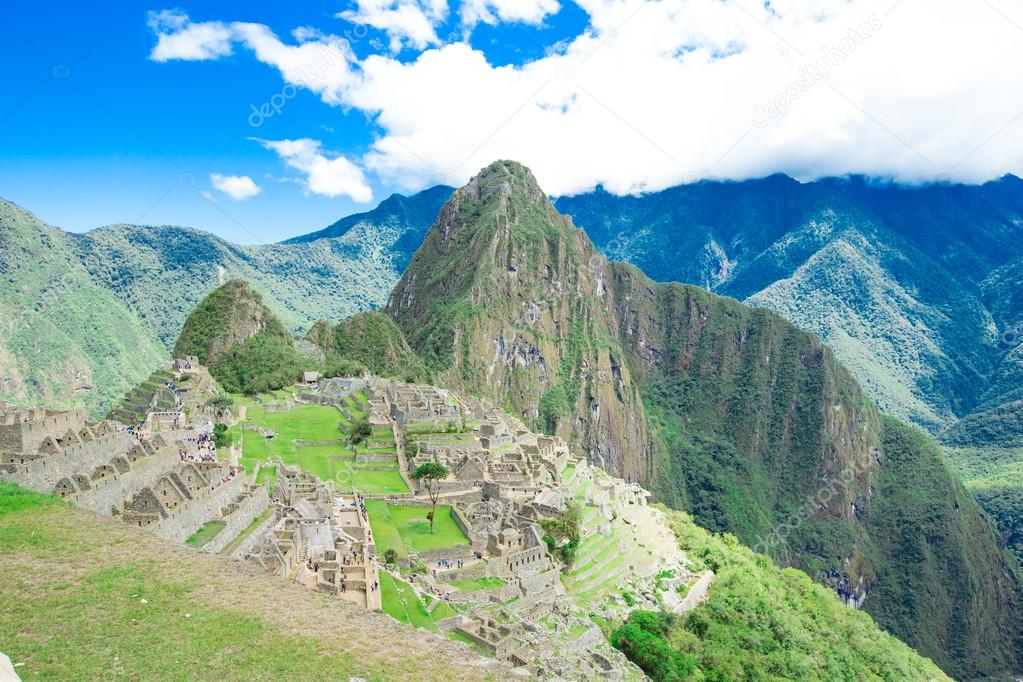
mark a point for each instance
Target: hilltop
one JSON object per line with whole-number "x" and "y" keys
{"x": 728, "y": 412}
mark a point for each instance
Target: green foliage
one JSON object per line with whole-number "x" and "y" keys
{"x": 359, "y": 431}
{"x": 371, "y": 340}
{"x": 762, "y": 622}
{"x": 66, "y": 341}
{"x": 258, "y": 365}
{"x": 429, "y": 472}
{"x": 563, "y": 533}
{"x": 220, "y": 437}
{"x": 643, "y": 639}
{"x": 390, "y": 556}
{"x": 221, "y": 401}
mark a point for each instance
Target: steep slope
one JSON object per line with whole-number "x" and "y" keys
{"x": 373, "y": 340}
{"x": 800, "y": 631}
{"x": 245, "y": 346}
{"x": 398, "y": 221}
{"x": 729, "y": 412}
{"x": 499, "y": 302}
{"x": 912, "y": 327}
{"x": 64, "y": 341}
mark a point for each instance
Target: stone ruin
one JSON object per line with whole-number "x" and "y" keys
{"x": 147, "y": 481}
{"x": 320, "y": 539}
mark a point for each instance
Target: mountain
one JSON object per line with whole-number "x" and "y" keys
{"x": 245, "y": 346}
{"x": 374, "y": 341}
{"x": 399, "y": 221}
{"x": 891, "y": 277}
{"x": 66, "y": 342}
{"x": 163, "y": 272}
{"x": 726, "y": 411}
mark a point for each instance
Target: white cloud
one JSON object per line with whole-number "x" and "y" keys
{"x": 178, "y": 38}
{"x": 325, "y": 173}
{"x": 411, "y": 22}
{"x": 238, "y": 187}
{"x": 492, "y": 11}
{"x": 660, "y": 92}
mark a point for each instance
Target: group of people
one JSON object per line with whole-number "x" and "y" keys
{"x": 446, "y": 563}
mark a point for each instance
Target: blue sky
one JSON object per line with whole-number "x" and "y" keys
{"x": 120, "y": 112}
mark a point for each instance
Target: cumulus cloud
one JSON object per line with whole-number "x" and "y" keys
{"x": 325, "y": 173}
{"x": 406, "y": 22}
{"x": 493, "y": 11}
{"x": 178, "y": 38}
{"x": 657, "y": 92}
{"x": 238, "y": 187}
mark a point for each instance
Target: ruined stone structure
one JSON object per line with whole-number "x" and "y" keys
{"x": 146, "y": 482}
{"x": 320, "y": 540}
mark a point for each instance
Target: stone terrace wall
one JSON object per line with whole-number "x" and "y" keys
{"x": 78, "y": 458}
{"x": 256, "y": 538}
{"x": 18, "y": 435}
{"x": 251, "y": 507}
{"x": 189, "y": 517}
{"x": 113, "y": 489}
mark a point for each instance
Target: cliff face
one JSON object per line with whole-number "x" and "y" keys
{"x": 726, "y": 411}
{"x": 502, "y": 300}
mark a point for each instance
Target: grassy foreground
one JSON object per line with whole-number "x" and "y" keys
{"x": 93, "y": 599}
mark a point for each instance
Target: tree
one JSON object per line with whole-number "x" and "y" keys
{"x": 359, "y": 431}
{"x": 390, "y": 556}
{"x": 428, "y": 474}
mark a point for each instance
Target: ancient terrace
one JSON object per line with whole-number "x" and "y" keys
{"x": 348, "y": 519}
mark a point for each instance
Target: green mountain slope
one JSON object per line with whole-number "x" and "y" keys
{"x": 762, "y": 622}
{"x": 64, "y": 341}
{"x": 245, "y": 346}
{"x": 163, "y": 272}
{"x": 373, "y": 340}
{"x": 729, "y": 412}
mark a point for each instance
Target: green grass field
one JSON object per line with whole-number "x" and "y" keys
{"x": 475, "y": 584}
{"x": 315, "y": 423}
{"x": 205, "y": 534}
{"x": 406, "y": 529}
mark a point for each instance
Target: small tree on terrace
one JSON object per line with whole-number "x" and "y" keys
{"x": 428, "y": 474}
{"x": 359, "y": 431}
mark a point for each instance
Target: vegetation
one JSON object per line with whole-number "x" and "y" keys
{"x": 407, "y": 528}
{"x": 745, "y": 420}
{"x": 762, "y": 622}
{"x": 65, "y": 342}
{"x": 258, "y": 365}
{"x": 429, "y": 474}
{"x": 562, "y": 534}
{"x": 359, "y": 431}
{"x": 205, "y": 534}
{"x": 373, "y": 341}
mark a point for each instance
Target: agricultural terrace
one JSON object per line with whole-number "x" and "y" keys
{"x": 333, "y": 461}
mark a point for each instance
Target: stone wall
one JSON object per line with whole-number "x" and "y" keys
{"x": 112, "y": 490}
{"x": 43, "y": 474}
{"x": 24, "y": 430}
{"x": 185, "y": 519}
{"x": 251, "y": 507}
{"x": 256, "y": 538}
